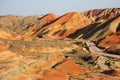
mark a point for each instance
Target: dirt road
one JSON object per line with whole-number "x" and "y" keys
{"x": 96, "y": 50}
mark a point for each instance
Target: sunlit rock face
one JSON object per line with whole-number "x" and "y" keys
{"x": 101, "y": 15}
{"x": 48, "y": 17}
{"x": 64, "y": 26}
{"x": 111, "y": 40}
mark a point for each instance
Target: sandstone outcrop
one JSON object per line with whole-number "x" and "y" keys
{"x": 48, "y": 47}
{"x": 97, "y": 32}
{"x": 111, "y": 40}
{"x": 101, "y": 15}
{"x": 48, "y": 17}
{"x": 64, "y": 26}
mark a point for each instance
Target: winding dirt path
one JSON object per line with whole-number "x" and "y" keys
{"x": 96, "y": 50}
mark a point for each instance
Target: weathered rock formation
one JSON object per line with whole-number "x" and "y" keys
{"x": 48, "y": 47}
{"x": 101, "y": 15}
{"x": 64, "y": 25}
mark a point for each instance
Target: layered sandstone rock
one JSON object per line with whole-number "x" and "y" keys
{"x": 111, "y": 40}
{"x": 97, "y": 32}
{"x": 36, "y": 48}
{"x": 101, "y": 15}
{"x": 22, "y": 25}
{"x": 62, "y": 71}
{"x": 15, "y": 66}
{"x": 64, "y": 26}
{"x": 48, "y": 17}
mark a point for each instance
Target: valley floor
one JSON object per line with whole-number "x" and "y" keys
{"x": 55, "y": 60}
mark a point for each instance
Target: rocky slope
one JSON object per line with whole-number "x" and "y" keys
{"x": 53, "y": 60}
{"x": 48, "y": 47}
{"x": 20, "y": 25}
{"x": 104, "y": 33}
{"x": 64, "y": 25}
{"x": 101, "y": 15}
{"x": 111, "y": 40}
{"x": 111, "y": 43}
{"x": 96, "y": 31}
{"x": 48, "y": 17}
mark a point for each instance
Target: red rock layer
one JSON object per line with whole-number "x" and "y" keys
{"x": 64, "y": 25}
{"x": 63, "y": 70}
{"x": 112, "y": 40}
{"x": 101, "y": 15}
{"x": 48, "y": 17}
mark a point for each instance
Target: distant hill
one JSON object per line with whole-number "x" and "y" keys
{"x": 95, "y": 25}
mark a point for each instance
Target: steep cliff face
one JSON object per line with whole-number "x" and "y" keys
{"x": 101, "y": 15}
{"x": 64, "y": 25}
